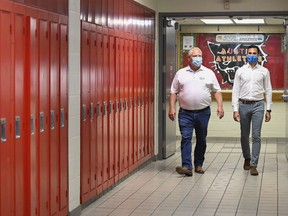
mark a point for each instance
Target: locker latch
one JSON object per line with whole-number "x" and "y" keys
{"x": 3, "y": 129}
{"x": 17, "y": 127}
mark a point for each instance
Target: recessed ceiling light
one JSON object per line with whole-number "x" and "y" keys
{"x": 217, "y": 21}
{"x": 249, "y": 21}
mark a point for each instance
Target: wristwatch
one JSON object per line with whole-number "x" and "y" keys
{"x": 268, "y": 111}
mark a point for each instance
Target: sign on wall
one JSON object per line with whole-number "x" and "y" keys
{"x": 226, "y": 53}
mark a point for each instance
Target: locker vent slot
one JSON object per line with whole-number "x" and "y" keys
{"x": 52, "y": 119}
{"x": 62, "y": 117}
{"x": 125, "y": 105}
{"x": 91, "y": 111}
{"x": 3, "y": 129}
{"x": 17, "y": 127}
{"x": 84, "y": 112}
{"x": 42, "y": 122}
{"x": 32, "y": 125}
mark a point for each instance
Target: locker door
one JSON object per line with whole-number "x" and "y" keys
{"x": 111, "y": 113}
{"x": 22, "y": 197}
{"x": 44, "y": 115}
{"x": 130, "y": 102}
{"x": 116, "y": 103}
{"x": 121, "y": 107}
{"x": 140, "y": 98}
{"x": 54, "y": 116}
{"x": 31, "y": 105}
{"x": 105, "y": 88}
{"x": 7, "y": 189}
{"x": 99, "y": 95}
{"x": 63, "y": 118}
{"x": 93, "y": 102}
{"x": 135, "y": 101}
{"x": 85, "y": 123}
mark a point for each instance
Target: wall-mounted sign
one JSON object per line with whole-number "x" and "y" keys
{"x": 188, "y": 42}
{"x": 240, "y": 38}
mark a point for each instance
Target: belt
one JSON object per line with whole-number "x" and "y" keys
{"x": 248, "y": 101}
{"x": 196, "y": 111}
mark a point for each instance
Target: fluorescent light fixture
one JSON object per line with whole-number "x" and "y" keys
{"x": 217, "y": 21}
{"x": 249, "y": 21}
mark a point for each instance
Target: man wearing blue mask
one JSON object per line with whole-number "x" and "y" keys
{"x": 250, "y": 83}
{"x": 193, "y": 86}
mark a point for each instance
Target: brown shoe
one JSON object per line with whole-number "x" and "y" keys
{"x": 199, "y": 169}
{"x": 184, "y": 171}
{"x": 246, "y": 165}
{"x": 253, "y": 171}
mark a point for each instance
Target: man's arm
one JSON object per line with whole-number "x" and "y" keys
{"x": 172, "y": 101}
{"x": 219, "y": 100}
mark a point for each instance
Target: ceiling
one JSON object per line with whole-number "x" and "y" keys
{"x": 196, "y": 20}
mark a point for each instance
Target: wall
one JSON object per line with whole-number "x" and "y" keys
{"x": 218, "y": 6}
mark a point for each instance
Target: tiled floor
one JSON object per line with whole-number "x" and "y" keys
{"x": 224, "y": 190}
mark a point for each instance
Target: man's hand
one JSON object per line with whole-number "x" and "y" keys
{"x": 172, "y": 114}
{"x": 267, "y": 116}
{"x": 220, "y": 113}
{"x": 236, "y": 116}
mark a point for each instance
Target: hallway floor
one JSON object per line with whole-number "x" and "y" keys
{"x": 225, "y": 189}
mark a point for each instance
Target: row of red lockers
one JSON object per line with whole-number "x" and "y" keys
{"x": 34, "y": 111}
{"x": 117, "y": 106}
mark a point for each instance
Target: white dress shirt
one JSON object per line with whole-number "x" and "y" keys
{"x": 251, "y": 84}
{"x": 194, "y": 87}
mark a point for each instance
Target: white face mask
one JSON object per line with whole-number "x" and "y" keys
{"x": 197, "y": 61}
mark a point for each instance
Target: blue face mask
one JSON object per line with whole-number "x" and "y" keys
{"x": 252, "y": 59}
{"x": 197, "y": 61}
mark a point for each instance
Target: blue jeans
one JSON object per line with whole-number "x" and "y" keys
{"x": 251, "y": 113}
{"x": 188, "y": 121}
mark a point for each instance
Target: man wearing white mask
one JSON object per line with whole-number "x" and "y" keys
{"x": 193, "y": 86}
{"x": 251, "y": 82}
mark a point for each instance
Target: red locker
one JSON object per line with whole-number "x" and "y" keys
{"x": 116, "y": 105}
{"x": 54, "y": 114}
{"x": 111, "y": 113}
{"x": 7, "y": 157}
{"x": 64, "y": 117}
{"x": 135, "y": 100}
{"x": 130, "y": 101}
{"x": 98, "y": 11}
{"x": 105, "y": 87}
{"x": 110, "y": 13}
{"x": 32, "y": 118}
{"x": 44, "y": 116}
{"x": 85, "y": 107}
{"x": 122, "y": 138}
{"x": 21, "y": 173}
{"x": 99, "y": 110}
{"x": 93, "y": 102}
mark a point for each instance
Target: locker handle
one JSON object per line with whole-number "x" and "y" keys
{"x": 98, "y": 110}
{"x": 42, "y": 122}
{"x": 62, "y": 117}
{"x": 125, "y": 105}
{"x": 32, "y": 124}
{"x": 91, "y": 111}
{"x": 52, "y": 119}
{"x": 116, "y": 106}
{"x": 84, "y": 112}
{"x": 104, "y": 108}
{"x": 17, "y": 127}
{"x": 110, "y": 107}
{"x": 3, "y": 129}
{"x": 120, "y": 105}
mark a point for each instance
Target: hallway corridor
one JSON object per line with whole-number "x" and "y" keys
{"x": 224, "y": 190}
